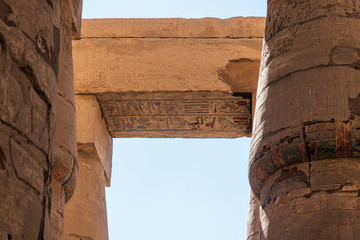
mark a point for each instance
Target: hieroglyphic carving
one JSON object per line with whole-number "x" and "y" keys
{"x": 203, "y": 112}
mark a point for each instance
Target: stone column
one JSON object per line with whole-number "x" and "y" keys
{"x": 57, "y": 211}
{"x": 304, "y": 161}
{"x": 64, "y": 165}
{"x": 85, "y": 214}
{"x": 29, "y": 50}
{"x": 252, "y": 232}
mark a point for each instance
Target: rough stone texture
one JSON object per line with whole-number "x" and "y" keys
{"x": 85, "y": 214}
{"x": 92, "y": 131}
{"x": 157, "y": 64}
{"x": 169, "y": 59}
{"x": 76, "y": 13}
{"x": 177, "y": 114}
{"x": 28, "y": 86}
{"x": 64, "y": 167}
{"x": 236, "y": 27}
{"x": 253, "y": 225}
{"x": 317, "y": 202}
{"x": 57, "y": 211}
{"x": 307, "y": 115}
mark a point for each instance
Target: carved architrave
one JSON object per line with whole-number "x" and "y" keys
{"x": 179, "y": 114}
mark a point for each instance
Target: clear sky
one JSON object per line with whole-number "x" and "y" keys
{"x": 177, "y": 189}
{"x": 173, "y": 8}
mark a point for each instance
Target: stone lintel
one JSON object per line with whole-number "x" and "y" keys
{"x": 177, "y": 114}
{"x": 92, "y": 133}
{"x": 151, "y": 65}
{"x": 173, "y": 57}
{"x": 236, "y": 27}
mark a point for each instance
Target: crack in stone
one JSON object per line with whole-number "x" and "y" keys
{"x": 46, "y": 201}
{"x": 332, "y": 191}
{"x": 2, "y": 160}
{"x": 28, "y": 140}
{"x": 3, "y": 44}
{"x": 278, "y": 79}
{"x": 308, "y": 154}
{"x": 17, "y": 175}
{"x": 79, "y": 237}
{"x": 267, "y": 39}
{"x": 31, "y": 76}
{"x": 67, "y": 100}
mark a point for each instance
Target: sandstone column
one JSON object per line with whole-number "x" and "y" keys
{"x": 29, "y": 50}
{"x": 252, "y": 232}
{"x": 304, "y": 162}
{"x": 85, "y": 214}
{"x": 64, "y": 165}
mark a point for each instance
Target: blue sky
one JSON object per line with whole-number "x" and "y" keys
{"x": 173, "y": 8}
{"x": 177, "y": 189}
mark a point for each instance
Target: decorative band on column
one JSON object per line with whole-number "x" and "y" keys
{"x": 313, "y": 142}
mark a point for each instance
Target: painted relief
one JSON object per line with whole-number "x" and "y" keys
{"x": 177, "y": 112}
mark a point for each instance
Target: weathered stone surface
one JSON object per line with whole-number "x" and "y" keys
{"x": 253, "y": 225}
{"x": 57, "y": 211}
{"x": 93, "y": 135}
{"x": 316, "y": 202}
{"x": 85, "y": 214}
{"x": 30, "y": 42}
{"x": 305, "y": 117}
{"x": 143, "y": 65}
{"x": 177, "y": 114}
{"x": 236, "y": 27}
{"x": 169, "y": 63}
{"x": 64, "y": 165}
{"x": 168, "y": 59}
{"x": 76, "y": 12}
{"x": 25, "y": 187}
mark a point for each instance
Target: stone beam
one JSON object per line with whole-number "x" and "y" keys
{"x": 177, "y": 114}
{"x": 136, "y": 62}
{"x": 236, "y": 27}
{"x": 165, "y": 60}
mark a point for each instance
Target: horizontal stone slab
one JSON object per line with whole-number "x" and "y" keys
{"x": 171, "y": 74}
{"x": 120, "y": 65}
{"x": 236, "y": 27}
{"x": 177, "y": 114}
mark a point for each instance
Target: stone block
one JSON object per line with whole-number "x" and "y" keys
{"x": 236, "y": 27}
{"x": 93, "y": 136}
{"x": 177, "y": 114}
{"x": 159, "y": 64}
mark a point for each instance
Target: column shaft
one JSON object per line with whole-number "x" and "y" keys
{"x": 306, "y": 135}
{"x": 253, "y": 225}
{"x": 57, "y": 211}
{"x": 85, "y": 214}
{"x": 29, "y": 49}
